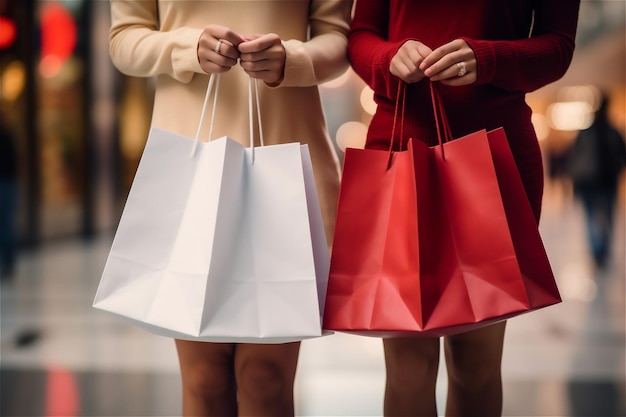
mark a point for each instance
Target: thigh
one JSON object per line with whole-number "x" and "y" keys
{"x": 208, "y": 379}
{"x": 205, "y": 360}
{"x": 411, "y": 356}
{"x": 481, "y": 348}
{"x": 281, "y": 357}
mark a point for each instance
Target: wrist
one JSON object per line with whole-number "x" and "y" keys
{"x": 281, "y": 76}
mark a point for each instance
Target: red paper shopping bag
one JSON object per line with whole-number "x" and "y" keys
{"x": 531, "y": 254}
{"x": 374, "y": 281}
{"x": 439, "y": 248}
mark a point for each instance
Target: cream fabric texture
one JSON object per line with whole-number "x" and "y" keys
{"x": 159, "y": 39}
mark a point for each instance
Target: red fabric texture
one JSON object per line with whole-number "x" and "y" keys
{"x": 510, "y": 64}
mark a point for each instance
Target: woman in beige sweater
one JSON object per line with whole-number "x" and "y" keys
{"x": 292, "y": 46}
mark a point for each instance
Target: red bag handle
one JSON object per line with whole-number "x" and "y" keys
{"x": 444, "y": 132}
{"x": 441, "y": 120}
{"x": 400, "y": 105}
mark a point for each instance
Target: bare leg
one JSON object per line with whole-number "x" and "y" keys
{"x": 265, "y": 377}
{"x": 208, "y": 378}
{"x": 474, "y": 360}
{"x": 412, "y": 365}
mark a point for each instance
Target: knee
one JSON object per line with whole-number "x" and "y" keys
{"x": 474, "y": 358}
{"x": 473, "y": 372}
{"x": 469, "y": 374}
{"x": 422, "y": 373}
{"x": 262, "y": 380}
{"x": 207, "y": 382}
{"x": 408, "y": 367}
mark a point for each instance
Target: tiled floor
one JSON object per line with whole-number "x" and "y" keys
{"x": 61, "y": 357}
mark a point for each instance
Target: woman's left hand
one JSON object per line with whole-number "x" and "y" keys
{"x": 263, "y": 57}
{"x": 452, "y": 64}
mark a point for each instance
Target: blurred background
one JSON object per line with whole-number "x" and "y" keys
{"x": 72, "y": 132}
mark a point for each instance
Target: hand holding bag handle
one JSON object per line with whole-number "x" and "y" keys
{"x": 179, "y": 264}
{"x": 286, "y": 192}
{"x": 434, "y": 254}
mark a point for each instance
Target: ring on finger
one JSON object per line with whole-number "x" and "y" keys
{"x": 218, "y": 47}
{"x": 462, "y": 68}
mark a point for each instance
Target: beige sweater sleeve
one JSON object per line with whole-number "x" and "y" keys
{"x": 138, "y": 48}
{"x": 323, "y": 56}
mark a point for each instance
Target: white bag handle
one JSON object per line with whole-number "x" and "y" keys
{"x": 214, "y": 79}
{"x": 253, "y": 82}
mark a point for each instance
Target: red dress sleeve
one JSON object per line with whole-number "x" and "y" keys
{"x": 369, "y": 50}
{"x": 528, "y": 64}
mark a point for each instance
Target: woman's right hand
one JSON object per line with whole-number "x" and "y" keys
{"x": 405, "y": 63}
{"x": 217, "y": 49}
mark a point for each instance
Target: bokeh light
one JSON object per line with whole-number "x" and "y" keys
{"x": 351, "y": 135}
{"x": 367, "y": 100}
{"x": 541, "y": 125}
{"x": 58, "y": 38}
{"x": 8, "y": 32}
{"x": 570, "y": 115}
{"x": 13, "y": 81}
{"x": 339, "y": 81}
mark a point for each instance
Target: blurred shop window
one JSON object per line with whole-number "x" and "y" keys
{"x": 62, "y": 130}
{"x": 598, "y": 18}
{"x": 135, "y": 112}
{"x": 12, "y": 133}
{"x": 58, "y": 95}
{"x": 8, "y": 201}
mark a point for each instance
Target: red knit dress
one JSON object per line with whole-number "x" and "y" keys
{"x": 520, "y": 46}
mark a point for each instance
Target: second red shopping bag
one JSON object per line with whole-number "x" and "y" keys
{"x": 427, "y": 244}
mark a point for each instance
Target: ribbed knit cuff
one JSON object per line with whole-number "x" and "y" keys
{"x": 485, "y": 60}
{"x": 382, "y": 61}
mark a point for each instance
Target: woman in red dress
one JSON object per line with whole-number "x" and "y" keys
{"x": 486, "y": 55}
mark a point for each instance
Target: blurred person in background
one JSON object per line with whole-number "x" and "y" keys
{"x": 8, "y": 202}
{"x": 292, "y": 46}
{"x": 485, "y": 55}
{"x": 595, "y": 162}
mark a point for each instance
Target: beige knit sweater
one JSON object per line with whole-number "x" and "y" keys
{"x": 159, "y": 38}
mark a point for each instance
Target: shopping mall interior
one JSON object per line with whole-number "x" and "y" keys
{"x": 78, "y": 128}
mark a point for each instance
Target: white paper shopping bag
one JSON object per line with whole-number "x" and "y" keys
{"x": 219, "y": 242}
{"x": 282, "y": 262}
{"x": 165, "y": 241}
